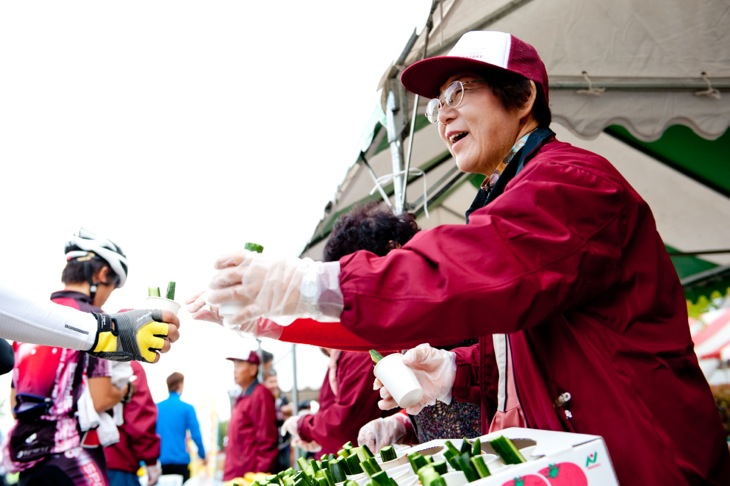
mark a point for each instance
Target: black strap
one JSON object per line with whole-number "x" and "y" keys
{"x": 536, "y": 140}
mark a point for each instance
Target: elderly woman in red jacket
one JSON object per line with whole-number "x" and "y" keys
{"x": 560, "y": 267}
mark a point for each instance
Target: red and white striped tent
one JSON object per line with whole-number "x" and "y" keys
{"x": 711, "y": 335}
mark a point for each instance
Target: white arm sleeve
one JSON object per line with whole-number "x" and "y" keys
{"x": 43, "y": 322}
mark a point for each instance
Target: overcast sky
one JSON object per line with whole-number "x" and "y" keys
{"x": 181, "y": 130}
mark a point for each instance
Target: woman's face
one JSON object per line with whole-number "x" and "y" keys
{"x": 479, "y": 133}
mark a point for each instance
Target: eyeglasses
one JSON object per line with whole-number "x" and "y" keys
{"x": 453, "y": 96}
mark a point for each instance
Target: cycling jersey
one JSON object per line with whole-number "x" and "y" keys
{"x": 48, "y": 383}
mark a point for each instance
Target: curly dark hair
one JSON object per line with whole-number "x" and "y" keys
{"x": 373, "y": 227}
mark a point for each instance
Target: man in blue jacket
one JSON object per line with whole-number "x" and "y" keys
{"x": 175, "y": 419}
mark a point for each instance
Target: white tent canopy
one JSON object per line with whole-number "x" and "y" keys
{"x": 659, "y": 61}
{"x": 649, "y": 55}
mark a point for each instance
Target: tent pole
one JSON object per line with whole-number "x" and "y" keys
{"x": 295, "y": 390}
{"x": 395, "y": 121}
{"x": 295, "y": 386}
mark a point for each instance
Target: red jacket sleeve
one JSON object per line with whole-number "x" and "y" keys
{"x": 329, "y": 335}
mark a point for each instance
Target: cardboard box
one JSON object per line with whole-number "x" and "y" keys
{"x": 557, "y": 459}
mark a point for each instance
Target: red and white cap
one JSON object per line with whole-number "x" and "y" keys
{"x": 244, "y": 355}
{"x": 478, "y": 52}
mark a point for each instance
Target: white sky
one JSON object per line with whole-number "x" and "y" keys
{"x": 181, "y": 130}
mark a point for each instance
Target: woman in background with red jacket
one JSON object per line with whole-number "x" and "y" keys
{"x": 138, "y": 440}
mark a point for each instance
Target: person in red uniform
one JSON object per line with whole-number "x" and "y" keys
{"x": 138, "y": 439}
{"x": 347, "y": 401}
{"x": 252, "y": 433}
{"x": 560, "y": 267}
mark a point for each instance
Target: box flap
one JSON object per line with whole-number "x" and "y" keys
{"x": 547, "y": 441}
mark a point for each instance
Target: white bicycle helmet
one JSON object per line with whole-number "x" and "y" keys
{"x": 86, "y": 242}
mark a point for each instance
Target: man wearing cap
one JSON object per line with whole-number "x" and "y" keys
{"x": 252, "y": 432}
{"x": 560, "y": 267}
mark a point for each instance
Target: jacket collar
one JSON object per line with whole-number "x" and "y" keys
{"x": 248, "y": 391}
{"x": 536, "y": 140}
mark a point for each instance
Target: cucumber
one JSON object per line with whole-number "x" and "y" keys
{"x": 451, "y": 447}
{"x": 302, "y": 478}
{"x": 429, "y": 477}
{"x": 253, "y": 247}
{"x": 507, "y": 450}
{"x": 370, "y": 466}
{"x": 480, "y": 466}
{"x": 337, "y": 471}
{"x": 353, "y": 464}
{"x": 387, "y": 453}
{"x": 467, "y": 467}
{"x": 451, "y": 459}
{"x": 417, "y": 461}
{"x": 364, "y": 452}
{"x": 465, "y": 446}
{"x": 375, "y": 356}
{"x": 153, "y": 291}
{"x": 324, "y": 474}
{"x": 170, "y": 294}
{"x": 476, "y": 447}
{"x": 441, "y": 467}
{"x": 381, "y": 478}
{"x": 303, "y": 464}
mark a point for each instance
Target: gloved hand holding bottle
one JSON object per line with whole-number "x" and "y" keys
{"x": 435, "y": 370}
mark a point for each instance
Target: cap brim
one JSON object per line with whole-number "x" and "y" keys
{"x": 247, "y": 360}
{"x": 425, "y": 77}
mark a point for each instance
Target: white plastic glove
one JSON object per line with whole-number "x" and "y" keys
{"x": 281, "y": 289}
{"x": 154, "y": 471}
{"x": 383, "y": 431}
{"x": 291, "y": 425}
{"x": 311, "y": 446}
{"x": 199, "y": 309}
{"x": 435, "y": 370}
